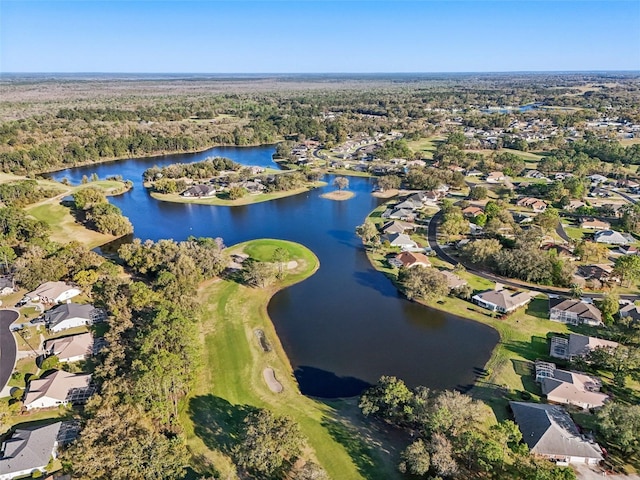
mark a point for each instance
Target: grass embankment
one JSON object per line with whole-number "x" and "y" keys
{"x": 232, "y": 381}
{"x": 226, "y": 202}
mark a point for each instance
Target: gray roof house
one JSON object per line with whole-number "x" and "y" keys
{"x": 577, "y": 346}
{"x": 549, "y": 432}
{"x": 569, "y": 388}
{"x": 71, "y": 315}
{"x": 611, "y": 237}
{"x": 27, "y": 450}
{"x": 199, "y": 191}
{"x": 631, "y": 310}
{"x": 575, "y": 312}
{"x": 399, "y": 240}
{"x": 502, "y": 300}
{"x": 72, "y": 348}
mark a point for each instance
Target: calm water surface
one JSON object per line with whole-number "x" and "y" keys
{"x": 346, "y": 325}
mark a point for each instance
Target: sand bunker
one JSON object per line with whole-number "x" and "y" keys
{"x": 270, "y": 377}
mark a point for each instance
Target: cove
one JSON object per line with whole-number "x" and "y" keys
{"x": 346, "y": 325}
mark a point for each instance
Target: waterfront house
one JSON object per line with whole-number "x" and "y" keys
{"x": 72, "y": 348}
{"x": 453, "y": 280}
{"x": 70, "y": 315}
{"x": 58, "y": 388}
{"x": 53, "y": 292}
{"x": 399, "y": 240}
{"x": 574, "y": 312}
{"x": 569, "y": 388}
{"x": 611, "y": 237}
{"x": 28, "y": 450}
{"x": 412, "y": 259}
{"x": 576, "y": 345}
{"x": 200, "y": 191}
{"x": 502, "y": 300}
{"x": 397, "y": 226}
{"x": 549, "y": 432}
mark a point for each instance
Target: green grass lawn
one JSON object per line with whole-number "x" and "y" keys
{"x": 232, "y": 383}
{"x": 425, "y": 146}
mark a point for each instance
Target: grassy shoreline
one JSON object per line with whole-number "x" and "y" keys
{"x": 232, "y": 383}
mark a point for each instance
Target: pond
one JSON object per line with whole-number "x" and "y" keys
{"x": 346, "y": 325}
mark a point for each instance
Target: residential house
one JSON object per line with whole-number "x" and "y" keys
{"x": 549, "y": 431}
{"x": 200, "y": 191}
{"x": 28, "y": 450}
{"x": 409, "y": 204}
{"x": 58, "y": 388}
{"x": 574, "y": 205}
{"x": 399, "y": 240}
{"x": 534, "y": 204}
{"x": 594, "y": 224}
{"x": 562, "y": 251}
{"x": 628, "y": 249}
{"x": 577, "y": 345}
{"x": 7, "y": 285}
{"x": 453, "y": 280}
{"x": 70, "y": 315}
{"x": 472, "y": 211}
{"x": 502, "y": 300}
{"x": 399, "y": 214}
{"x": 628, "y": 183}
{"x": 71, "y": 349}
{"x": 397, "y": 226}
{"x": 611, "y": 237}
{"x": 599, "y": 192}
{"x": 630, "y": 310}
{"x": 53, "y": 292}
{"x": 496, "y": 177}
{"x": 521, "y": 219}
{"x": 569, "y": 388}
{"x": 473, "y": 173}
{"x": 597, "y": 179}
{"x": 412, "y": 259}
{"x": 574, "y": 312}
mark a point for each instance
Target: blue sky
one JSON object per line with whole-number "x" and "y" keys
{"x": 318, "y": 36}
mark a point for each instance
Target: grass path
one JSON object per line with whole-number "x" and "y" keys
{"x": 232, "y": 383}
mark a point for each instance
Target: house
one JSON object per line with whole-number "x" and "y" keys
{"x": 397, "y": 226}
{"x": 574, "y": 205}
{"x": 28, "y": 450}
{"x": 399, "y": 240}
{"x": 611, "y": 237}
{"x": 534, "y": 204}
{"x": 597, "y": 179}
{"x": 577, "y": 346}
{"x": 453, "y": 280}
{"x": 472, "y": 211}
{"x": 628, "y": 183}
{"x": 594, "y": 224}
{"x": 630, "y": 310}
{"x": 53, "y": 292}
{"x": 574, "y": 312}
{"x": 410, "y": 204}
{"x": 569, "y": 388}
{"x": 7, "y": 285}
{"x": 200, "y": 191}
{"x": 70, "y": 315}
{"x": 59, "y": 388}
{"x": 70, "y": 349}
{"x": 601, "y": 272}
{"x": 496, "y": 177}
{"x": 561, "y": 251}
{"x": 502, "y": 300}
{"x": 412, "y": 259}
{"x": 628, "y": 249}
{"x": 549, "y": 432}
{"x": 599, "y": 192}
{"x": 399, "y": 214}
{"x": 473, "y": 173}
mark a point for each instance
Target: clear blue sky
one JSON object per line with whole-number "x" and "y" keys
{"x": 325, "y": 36}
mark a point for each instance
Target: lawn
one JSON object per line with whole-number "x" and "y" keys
{"x": 425, "y": 146}
{"x": 223, "y": 201}
{"x": 232, "y": 383}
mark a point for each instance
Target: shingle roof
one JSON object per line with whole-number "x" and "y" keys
{"x": 72, "y": 346}
{"x": 29, "y": 448}
{"x": 56, "y": 386}
{"x": 573, "y": 388}
{"x": 68, "y": 310}
{"x": 50, "y": 290}
{"x": 581, "y": 344}
{"x": 581, "y": 309}
{"x": 549, "y": 430}
{"x": 506, "y": 299}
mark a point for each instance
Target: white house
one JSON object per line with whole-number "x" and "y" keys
{"x": 611, "y": 237}
{"x": 549, "y": 432}
{"x": 70, "y": 315}
{"x": 59, "y": 388}
{"x": 399, "y": 240}
{"x": 502, "y": 300}
{"x": 53, "y": 292}
{"x": 28, "y": 450}
{"x": 71, "y": 349}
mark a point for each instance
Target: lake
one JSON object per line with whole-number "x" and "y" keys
{"x": 346, "y": 325}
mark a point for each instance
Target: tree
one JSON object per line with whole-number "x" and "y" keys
{"x": 268, "y": 444}
{"x": 621, "y": 361}
{"x": 341, "y": 183}
{"x": 481, "y": 251}
{"x": 422, "y": 283}
{"x": 478, "y": 192}
{"x": 592, "y": 251}
{"x": 280, "y": 257}
{"x": 389, "y": 399}
{"x": 610, "y": 305}
{"x": 548, "y": 220}
{"x": 50, "y": 363}
{"x": 258, "y": 274}
{"x": 236, "y": 192}
{"x": 620, "y": 425}
{"x": 415, "y": 459}
{"x": 367, "y": 232}
{"x": 389, "y": 182}
{"x": 442, "y": 459}
{"x": 628, "y": 268}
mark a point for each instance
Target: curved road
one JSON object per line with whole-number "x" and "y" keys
{"x": 8, "y": 349}
{"x": 433, "y": 243}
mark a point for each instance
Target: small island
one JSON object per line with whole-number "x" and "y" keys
{"x": 220, "y": 181}
{"x": 339, "y": 195}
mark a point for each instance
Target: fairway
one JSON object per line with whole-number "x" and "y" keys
{"x": 233, "y": 384}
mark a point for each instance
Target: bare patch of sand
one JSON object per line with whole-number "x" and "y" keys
{"x": 338, "y": 195}
{"x": 270, "y": 377}
{"x": 292, "y": 264}
{"x": 392, "y": 192}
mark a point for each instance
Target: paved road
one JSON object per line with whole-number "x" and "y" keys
{"x": 561, "y": 233}
{"x": 8, "y": 348}
{"x": 433, "y": 243}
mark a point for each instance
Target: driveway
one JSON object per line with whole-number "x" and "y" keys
{"x": 8, "y": 347}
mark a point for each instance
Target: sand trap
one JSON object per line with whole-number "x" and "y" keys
{"x": 270, "y": 377}
{"x": 338, "y": 195}
{"x": 292, "y": 264}
{"x": 392, "y": 192}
